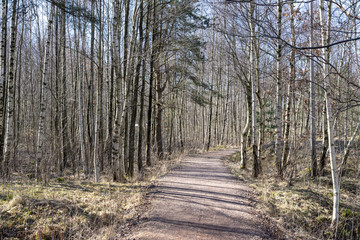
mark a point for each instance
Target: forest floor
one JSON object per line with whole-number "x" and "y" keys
{"x": 201, "y": 199}
{"x": 73, "y": 207}
{"x": 301, "y": 207}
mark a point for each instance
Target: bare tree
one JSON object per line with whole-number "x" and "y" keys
{"x": 335, "y": 177}
{"x": 40, "y": 153}
{"x": 10, "y": 105}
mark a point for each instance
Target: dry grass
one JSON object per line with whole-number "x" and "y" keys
{"x": 67, "y": 208}
{"x": 302, "y": 207}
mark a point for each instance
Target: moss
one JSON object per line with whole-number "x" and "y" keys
{"x": 60, "y": 180}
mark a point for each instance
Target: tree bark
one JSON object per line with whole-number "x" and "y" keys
{"x": 134, "y": 100}
{"x": 143, "y": 83}
{"x": 290, "y": 91}
{"x": 334, "y": 174}
{"x": 256, "y": 167}
{"x": 151, "y": 83}
{"x": 278, "y": 91}
{"x": 9, "y": 116}
{"x": 3, "y": 77}
{"x": 312, "y": 101}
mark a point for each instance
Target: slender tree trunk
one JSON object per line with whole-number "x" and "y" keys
{"x": 181, "y": 121}
{"x": 127, "y": 81}
{"x": 116, "y": 87}
{"x": 261, "y": 107}
{"x": 119, "y": 171}
{"x": 80, "y": 106}
{"x": 225, "y": 120}
{"x": 57, "y": 123}
{"x": 325, "y": 133}
{"x": 96, "y": 139}
{"x": 143, "y": 78}
{"x": 290, "y": 91}
{"x": 246, "y": 130}
{"x": 17, "y": 97}
{"x": 134, "y": 101}
{"x": 3, "y": 77}
{"x": 256, "y": 167}
{"x": 211, "y": 90}
{"x": 210, "y": 117}
{"x": 278, "y": 91}
{"x": 159, "y": 90}
{"x": 325, "y": 142}
{"x": 312, "y": 102}
{"x": 9, "y": 121}
{"x": 43, "y": 100}
{"x": 97, "y": 146}
{"x": 64, "y": 119}
{"x": 100, "y": 90}
{"x": 151, "y": 83}
{"x": 91, "y": 98}
{"x": 160, "y": 87}
{"x": 334, "y": 174}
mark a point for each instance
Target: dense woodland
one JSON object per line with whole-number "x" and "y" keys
{"x": 105, "y": 88}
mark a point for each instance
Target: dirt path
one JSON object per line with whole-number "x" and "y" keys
{"x": 201, "y": 200}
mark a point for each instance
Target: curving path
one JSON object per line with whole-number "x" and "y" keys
{"x": 201, "y": 200}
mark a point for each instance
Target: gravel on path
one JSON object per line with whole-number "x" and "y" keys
{"x": 201, "y": 199}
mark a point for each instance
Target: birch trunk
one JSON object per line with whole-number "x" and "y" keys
{"x": 80, "y": 107}
{"x": 290, "y": 90}
{"x": 252, "y": 74}
{"x": 246, "y": 129}
{"x": 44, "y": 82}
{"x": 335, "y": 179}
{"x": 312, "y": 101}
{"x": 64, "y": 119}
{"x": 116, "y": 152}
{"x": 278, "y": 91}
{"x": 9, "y": 116}
{"x": 3, "y": 76}
{"x": 134, "y": 100}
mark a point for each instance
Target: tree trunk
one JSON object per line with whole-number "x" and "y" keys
{"x": 151, "y": 83}
{"x": 134, "y": 100}
{"x": 290, "y": 91}
{"x": 246, "y": 129}
{"x": 256, "y": 167}
{"x": 100, "y": 90}
{"x": 44, "y": 83}
{"x": 80, "y": 104}
{"x": 143, "y": 78}
{"x": 334, "y": 174}
{"x": 126, "y": 79}
{"x": 9, "y": 121}
{"x": 278, "y": 91}
{"x": 91, "y": 98}
{"x": 116, "y": 152}
{"x": 3, "y": 77}
{"x": 64, "y": 119}
{"x": 312, "y": 102}
{"x": 325, "y": 142}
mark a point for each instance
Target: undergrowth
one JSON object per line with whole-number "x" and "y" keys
{"x": 69, "y": 208}
{"x": 301, "y": 207}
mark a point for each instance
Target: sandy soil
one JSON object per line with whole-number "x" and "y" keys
{"x": 201, "y": 200}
